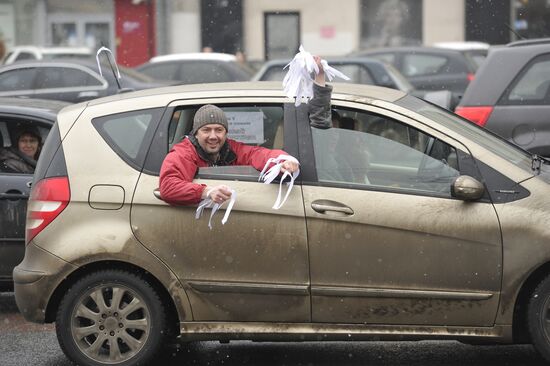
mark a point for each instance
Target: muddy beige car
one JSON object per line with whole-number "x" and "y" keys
{"x": 410, "y": 223}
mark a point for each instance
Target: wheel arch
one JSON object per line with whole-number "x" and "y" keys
{"x": 171, "y": 308}
{"x": 519, "y": 324}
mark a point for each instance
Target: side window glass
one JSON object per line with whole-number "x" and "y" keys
{"x": 416, "y": 65}
{"x": 371, "y": 151}
{"x": 130, "y": 133}
{"x": 19, "y": 79}
{"x": 260, "y": 125}
{"x": 25, "y": 56}
{"x": 357, "y": 74}
{"x": 274, "y": 74}
{"x": 532, "y": 85}
{"x": 21, "y": 158}
{"x": 203, "y": 72}
{"x": 385, "y": 57}
{"x": 161, "y": 71}
{"x": 63, "y": 77}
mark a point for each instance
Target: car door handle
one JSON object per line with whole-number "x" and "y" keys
{"x": 13, "y": 196}
{"x": 323, "y": 206}
{"x": 156, "y": 192}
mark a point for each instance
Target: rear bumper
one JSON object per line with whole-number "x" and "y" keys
{"x": 35, "y": 279}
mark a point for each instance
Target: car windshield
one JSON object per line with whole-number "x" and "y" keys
{"x": 125, "y": 71}
{"x": 401, "y": 82}
{"x": 482, "y": 137}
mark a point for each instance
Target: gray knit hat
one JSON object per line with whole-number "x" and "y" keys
{"x": 209, "y": 114}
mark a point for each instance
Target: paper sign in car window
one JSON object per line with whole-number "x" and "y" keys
{"x": 246, "y": 127}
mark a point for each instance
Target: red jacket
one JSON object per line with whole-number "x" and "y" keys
{"x": 182, "y": 162}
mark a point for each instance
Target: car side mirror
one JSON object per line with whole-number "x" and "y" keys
{"x": 467, "y": 188}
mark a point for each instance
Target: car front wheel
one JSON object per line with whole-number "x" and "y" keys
{"x": 111, "y": 317}
{"x": 538, "y": 315}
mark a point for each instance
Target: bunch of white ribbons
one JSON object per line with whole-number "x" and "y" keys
{"x": 298, "y": 82}
{"x": 267, "y": 176}
{"x": 209, "y": 203}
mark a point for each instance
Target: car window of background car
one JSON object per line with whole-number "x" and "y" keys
{"x": 63, "y": 77}
{"x": 161, "y": 71}
{"x": 385, "y": 57}
{"x": 25, "y": 56}
{"x": 383, "y": 153}
{"x": 126, "y": 71}
{"x": 202, "y": 72}
{"x": 275, "y": 73}
{"x": 260, "y": 125}
{"x": 416, "y": 65}
{"x": 357, "y": 73}
{"x": 481, "y": 136}
{"x": 398, "y": 79}
{"x": 532, "y": 85}
{"x": 20, "y": 79}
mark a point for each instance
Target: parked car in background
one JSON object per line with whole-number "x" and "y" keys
{"x": 70, "y": 81}
{"x": 511, "y": 94}
{"x": 25, "y": 53}
{"x": 195, "y": 68}
{"x": 476, "y": 51}
{"x": 360, "y": 71}
{"x": 403, "y": 225}
{"x": 429, "y": 68}
{"x": 17, "y": 114}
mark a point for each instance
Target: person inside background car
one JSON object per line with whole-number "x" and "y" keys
{"x": 23, "y": 158}
{"x": 208, "y": 145}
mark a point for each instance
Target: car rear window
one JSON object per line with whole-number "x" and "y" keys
{"x": 416, "y": 65}
{"x": 130, "y": 133}
{"x": 531, "y": 86}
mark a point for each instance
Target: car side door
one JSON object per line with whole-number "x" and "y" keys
{"x": 388, "y": 243}
{"x": 255, "y": 266}
{"x": 14, "y": 193}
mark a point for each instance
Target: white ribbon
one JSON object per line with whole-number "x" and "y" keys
{"x": 208, "y": 203}
{"x": 268, "y": 175}
{"x": 298, "y": 82}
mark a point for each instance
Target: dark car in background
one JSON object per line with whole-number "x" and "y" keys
{"x": 196, "y": 68}
{"x": 360, "y": 70}
{"x": 67, "y": 80}
{"x": 429, "y": 68}
{"x": 511, "y": 94}
{"x": 15, "y": 114}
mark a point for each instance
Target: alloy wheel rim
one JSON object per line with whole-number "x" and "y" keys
{"x": 110, "y": 323}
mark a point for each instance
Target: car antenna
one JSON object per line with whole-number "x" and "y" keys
{"x": 109, "y": 52}
{"x": 513, "y": 31}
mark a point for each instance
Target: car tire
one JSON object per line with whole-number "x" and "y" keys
{"x": 131, "y": 316}
{"x": 538, "y": 313}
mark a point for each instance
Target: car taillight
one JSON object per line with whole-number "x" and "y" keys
{"x": 478, "y": 115}
{"x": 48, "y": 198}
{"x": 470, "y": 76}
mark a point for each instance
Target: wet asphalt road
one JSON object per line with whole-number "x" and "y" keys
{"x": 24, "y": 343}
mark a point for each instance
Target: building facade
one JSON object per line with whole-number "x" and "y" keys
{"x": 265, "y": 29}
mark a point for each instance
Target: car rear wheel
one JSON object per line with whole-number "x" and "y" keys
{"x": 538, "y": 317}
{"x": 111, "y": 317}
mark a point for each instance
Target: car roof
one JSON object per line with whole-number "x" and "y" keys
{"x": 529, "y": 42}
{"x": 225, "y": 57}
{"x": 54, "y": 50}
{"x": 415, "y": 49}
{"x": 42, "y": 108}
{"x": 252, "y": 89}
{"x": 463, "y": 46}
